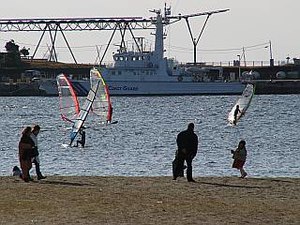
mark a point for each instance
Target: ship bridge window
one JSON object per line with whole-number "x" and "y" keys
{"x": 149, "y": 72}
{"x": 119, "y": 72}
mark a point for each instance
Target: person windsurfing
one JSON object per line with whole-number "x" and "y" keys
{"x": 82, "y": 140}
{"x": 236, "y": 112}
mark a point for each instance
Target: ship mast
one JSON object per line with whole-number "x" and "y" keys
{"x": 159, "y": 38}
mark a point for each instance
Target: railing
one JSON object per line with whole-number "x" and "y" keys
{"x": 242, "y": 63}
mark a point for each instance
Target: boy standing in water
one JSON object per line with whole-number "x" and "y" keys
{"x": 239, "y": 156}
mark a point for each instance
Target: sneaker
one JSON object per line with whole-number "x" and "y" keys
{"x": 41, "y": 177}
{"x": 192, "y": 180}
{"x": 244, "y": 175}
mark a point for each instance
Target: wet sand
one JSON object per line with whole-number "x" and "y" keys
{"x": 150, "y": 200}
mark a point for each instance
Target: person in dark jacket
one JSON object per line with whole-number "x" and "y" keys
{"x": 187, "y": 143}
{"x": 26, "y": 152}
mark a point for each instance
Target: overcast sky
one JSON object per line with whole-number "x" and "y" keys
{"x": 248, "y": 23}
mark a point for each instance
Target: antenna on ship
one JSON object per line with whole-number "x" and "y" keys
{"x": 195, "y": 40}
{"x": 167, "y": 11}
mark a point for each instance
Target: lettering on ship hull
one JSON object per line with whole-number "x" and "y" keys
{"x": 123, "y": 88}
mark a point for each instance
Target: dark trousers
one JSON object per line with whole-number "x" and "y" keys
{"x": 80, "y": 142}
{"x": 25, "y": 166}
{"x": 178, "y": 166}
{"x": 37, "y": 168}
{"x": 189, "y": 170}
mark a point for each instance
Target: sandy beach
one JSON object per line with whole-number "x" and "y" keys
{"x": 150, "y": 200}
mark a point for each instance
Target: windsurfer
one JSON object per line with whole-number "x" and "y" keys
{"x": 82, "y": 141}
{"x": 236, "y": 112}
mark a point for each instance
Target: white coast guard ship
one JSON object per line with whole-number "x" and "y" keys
{"x": 150, "y": 73}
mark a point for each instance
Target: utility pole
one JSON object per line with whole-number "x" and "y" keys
{"x": 239, "y": 66}
{"x": 271, "y": 55}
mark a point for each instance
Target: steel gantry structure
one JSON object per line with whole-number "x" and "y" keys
{"x": 123, "y": 24}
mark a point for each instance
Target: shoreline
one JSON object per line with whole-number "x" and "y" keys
{"x": 150, "y": 200}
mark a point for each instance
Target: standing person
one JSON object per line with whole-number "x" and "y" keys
{"x": 26, "y": 152}
{"x": 239, "y": 156}
{"x": 36, "y": 160}
{"x": 187, "y": 143}
{"x": 236, "y": 112}
{"x": 82, "y": 141}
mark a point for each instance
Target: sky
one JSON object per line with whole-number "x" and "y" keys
{"x": 249, "y": 24}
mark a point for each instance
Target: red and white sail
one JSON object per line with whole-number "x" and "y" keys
{"x": 68, "y": 102}
{"x": 102, "y": 105}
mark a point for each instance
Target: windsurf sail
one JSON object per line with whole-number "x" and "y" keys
{"x": 243, "y": 102}
{"x": 68, "y": 102}
{"x": 102, "y": 105}
{"x": 79, "y": 121}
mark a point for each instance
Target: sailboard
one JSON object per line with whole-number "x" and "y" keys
{"x": 243, "y": 102}
{"x": 84, "y": 111}
{"x": 68, "y": 102}
{"x": 102, "y": 106}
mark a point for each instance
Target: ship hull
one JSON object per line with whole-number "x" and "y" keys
{"x": 174, "y": 88}
{"x": 125, "y": 88}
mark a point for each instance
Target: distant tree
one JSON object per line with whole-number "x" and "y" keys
{"x": 13, "y": 57}
{"x": 24, "y": 51}
{"x": 11, "y": 46}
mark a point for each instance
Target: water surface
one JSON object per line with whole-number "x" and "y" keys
{"x": 143, "y": 142}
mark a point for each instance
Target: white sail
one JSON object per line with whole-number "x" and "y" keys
{"x": 79, "y": 121}
{"x": 243, "y": 102}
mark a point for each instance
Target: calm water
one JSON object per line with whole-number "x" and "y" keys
{"x": 144, "y": 141}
